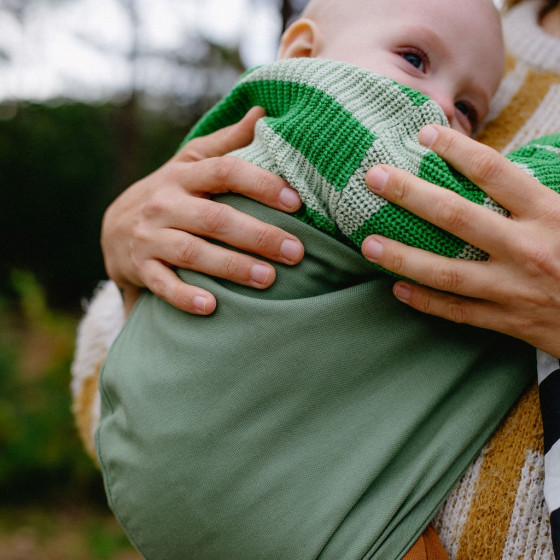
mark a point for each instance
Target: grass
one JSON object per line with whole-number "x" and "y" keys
{"x": 72, "y": 533}
{"x": 52, "y": 505}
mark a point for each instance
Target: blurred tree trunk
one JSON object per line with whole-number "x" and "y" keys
{"x": 127, "y": 143}
{"x": 287, "y": 11}
{"x": 127, "y": 137}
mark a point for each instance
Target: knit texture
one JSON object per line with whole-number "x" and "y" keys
{"x": 346, "y": 207}
{"x": 329, "y": 122}
{"x": 229, "y": 435}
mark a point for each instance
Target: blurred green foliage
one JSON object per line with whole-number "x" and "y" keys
{"x": 60, "y": 166}
{"x": 42, "y": 458}
{"x": 32, "y": 533}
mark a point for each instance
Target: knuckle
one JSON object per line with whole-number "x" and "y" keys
{"x": 522, "y": 324}
{"x": 188, "y": 252}
{"x": 227, "y": 170}
{"x": 180, "y": 296}
{"x": 261, "y": 185}
{"x": 215, "y": 220}
{"x": 424, "y": 304}
{"x": 447, "y": 279}
{"x": 157, "y": 286}
{"x": 458, "y": 312}
{"x": 140, "y": 234}
{"x": 264, "y": 238}
{"x": 542, "y": 260}
{"x": 155, "y": 206}
{"x": 539, "y": 258}
{"x": 192, "y": 151}
{"x": 395, "y": 262}
{"x": 446, "y": 143}
{"x": 400, "y": 189}
{"x": 450, "y": 214}
{"x": 485, "y": 167}
{"x": 232, "y": 264}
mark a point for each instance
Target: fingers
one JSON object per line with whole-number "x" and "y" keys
{"x": 447, "y": 306}
{"x": 232, "y": 174}
{"x": 208, "y": 173}
{"x": 498, "y": 177}
{"x": 514, "y": 291}
{"x": 459, "y": 291}
{"x": 223, "y": 141}
{"x": 153, "y": 225}
{"x": 191, "y": 252}
{"x": 221, "y": 222}
{"x": 164, "y": 283}
{"x": 536, "y": 324}
{"x": 500, "y": 296}
{"x": 466, "y": 278}
{"x": 471, "y": 222}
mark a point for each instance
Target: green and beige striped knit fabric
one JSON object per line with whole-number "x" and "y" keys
{"x": 328, "y": 122}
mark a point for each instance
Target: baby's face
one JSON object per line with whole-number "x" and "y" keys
{"x": 450, "y": 50}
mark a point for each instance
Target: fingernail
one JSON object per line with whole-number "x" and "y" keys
{"x": 290, "y": 250}
{"x": 199, "y": 303}
{"x": 427, "y": 136}
{"x": 289, "y": 198}
{"x": 260, "y": 273}
{"x": 376, "y": 179}
{"x": 372, "y": 250}
{"x": 402, "y": 292}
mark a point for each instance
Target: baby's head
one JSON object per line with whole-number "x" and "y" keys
{"x": 450, "y": 50}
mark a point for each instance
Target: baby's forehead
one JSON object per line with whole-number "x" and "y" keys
{"x": 459, "y": 22}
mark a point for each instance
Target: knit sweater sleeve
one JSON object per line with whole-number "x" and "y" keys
{"x": 540, "y": 158}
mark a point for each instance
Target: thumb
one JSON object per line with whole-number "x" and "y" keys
{"x": 224, "y": 140}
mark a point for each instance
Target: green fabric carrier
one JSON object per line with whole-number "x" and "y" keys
{"x": 319, "y": 418}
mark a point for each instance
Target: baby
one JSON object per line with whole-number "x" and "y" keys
{"x": 319, "y": 418}
{"x": 451, "y": 53}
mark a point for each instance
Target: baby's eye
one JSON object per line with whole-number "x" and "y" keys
{"x": 469, "y": 111}
{"x": 417, "y": 59}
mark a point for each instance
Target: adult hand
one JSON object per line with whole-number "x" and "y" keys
{"x": 517, "y": 291}
{"x": 158, "y": 222}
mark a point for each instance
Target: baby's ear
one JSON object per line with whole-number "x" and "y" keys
{"x": 302, "y": 39}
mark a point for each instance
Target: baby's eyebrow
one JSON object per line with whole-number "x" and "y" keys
{"x": 427, "y": 36}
